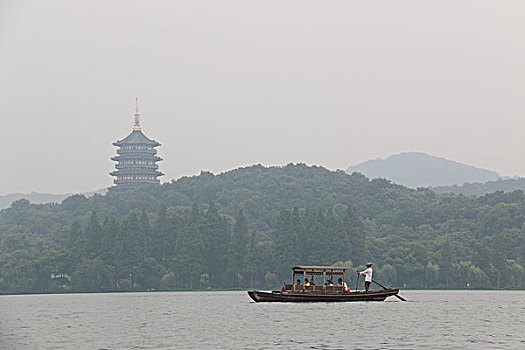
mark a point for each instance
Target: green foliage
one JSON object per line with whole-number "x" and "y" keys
{"x": 245, "y": 228}
{"x": 167, "y": 281}
{"x": 91, "y": 275}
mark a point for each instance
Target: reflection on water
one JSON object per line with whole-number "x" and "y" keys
{"x": 230, "y": 320}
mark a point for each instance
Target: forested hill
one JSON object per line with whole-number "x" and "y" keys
{"x": 246, "y": 227}
{"x": 260, "y": 191}
{"x": 480, "y": 189}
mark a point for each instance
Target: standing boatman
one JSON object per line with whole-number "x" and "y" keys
{"x": 368, "y": 275}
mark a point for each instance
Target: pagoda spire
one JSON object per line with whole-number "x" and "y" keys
{"x": 137, "y": 115}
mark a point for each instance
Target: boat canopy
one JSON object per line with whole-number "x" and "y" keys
{"x": 327, "y": 273}
{"x": 319, "y": 270}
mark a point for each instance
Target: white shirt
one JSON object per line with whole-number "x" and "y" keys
{"x": 368, "y": 274}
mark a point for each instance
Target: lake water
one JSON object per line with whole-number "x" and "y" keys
{"x": 230, "y": 320}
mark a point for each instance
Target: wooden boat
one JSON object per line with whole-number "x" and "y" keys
{"x": 301, "y": 292}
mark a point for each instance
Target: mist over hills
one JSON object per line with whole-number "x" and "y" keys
{"x": 40, "y": 198}
{"x": 411, "y": 169}
{"x": 33, "y": 197}
{"x": 480, "y": 189}
{"x": 416, "y": 169}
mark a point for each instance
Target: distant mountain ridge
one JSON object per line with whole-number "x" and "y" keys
{"x": 40, "y": 198}
{"x": 416, "y": 169}
{"x": 411, "y": 169}
{"x": 33, "y": 197}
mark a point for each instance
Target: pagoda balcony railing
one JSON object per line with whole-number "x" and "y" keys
{"x": 139, "y": 163}
{"x": 136, "y": 172}
{"x": 134, "y": 182}
{"x": 124, "y": 158}
{"x": 136, "y": 166}
{"x": 137, "y": 147}
{"x": 134, "y": 152}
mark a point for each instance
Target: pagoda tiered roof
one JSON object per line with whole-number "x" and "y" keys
{"x": 136, "y": 137}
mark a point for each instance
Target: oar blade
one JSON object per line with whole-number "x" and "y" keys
{"x": 400, "y": 297}
{"x": 397, "y": 296}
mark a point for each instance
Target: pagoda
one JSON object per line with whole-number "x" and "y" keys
{"x": 136, "y": 159}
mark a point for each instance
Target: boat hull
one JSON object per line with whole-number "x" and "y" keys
{"x": 259, "y": 296}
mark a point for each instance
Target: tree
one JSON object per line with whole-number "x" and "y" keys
{"x": 287, "y": 240}
{"x": 521, "y": 250}
{"x": 130, "y": 249}
{"x": 190, "y": 248}
{"x": 355, "y": 231}
{"x": 216, "y": 231}
{"x": 92, "y": 275}
{"x": 163, "y": 238}
{"x": 93, "y": 235}
{"x": 237, "y": 249}
{"x": 168, "y": 281}
{"x": 387, "y": 274}
{"x": 431, "y": 274}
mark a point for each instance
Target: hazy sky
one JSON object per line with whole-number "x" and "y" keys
{"x": 224, "y": 84}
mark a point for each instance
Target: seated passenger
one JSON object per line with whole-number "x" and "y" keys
{"x": 298, "y": 282}
{"x": 306, "y": 282}
{"x": 340, "y": 283}
{"x": 330, "y": 283}
{"x": 312, "y": 281}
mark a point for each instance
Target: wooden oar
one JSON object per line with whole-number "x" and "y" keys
{"x": 397, "y": 296}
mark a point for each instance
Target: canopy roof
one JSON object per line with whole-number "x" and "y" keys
{"x": 320, "y": 270}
